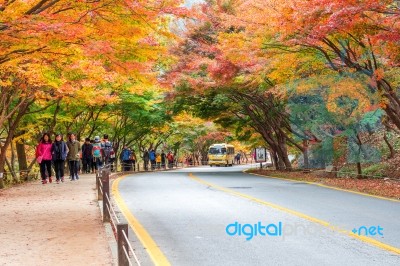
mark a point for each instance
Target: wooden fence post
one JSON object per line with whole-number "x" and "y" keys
{"x": 122, "y": 258}
{"x": 106, "y": 194}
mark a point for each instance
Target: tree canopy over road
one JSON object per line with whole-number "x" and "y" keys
{"x": 318, "y": 79}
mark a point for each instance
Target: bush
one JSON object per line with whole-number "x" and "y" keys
{"x": 377, "y": 170}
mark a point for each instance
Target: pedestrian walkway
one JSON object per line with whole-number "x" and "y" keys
{"x": 52, "y": 224}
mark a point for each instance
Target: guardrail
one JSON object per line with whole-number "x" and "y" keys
{"x": 126, "y": 254}
{"x": 343, "y": 173}
{"x": 337, "y": 174}
{"x": 142, "y": 166}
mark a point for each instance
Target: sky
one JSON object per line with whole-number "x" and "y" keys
{"x": 189, "y": 3}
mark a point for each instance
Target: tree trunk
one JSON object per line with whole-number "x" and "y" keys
{"x": 274, "y": 159}
{"x": 359, "y": 143}
{"x": 1, "y": 180}
{"x": 22, "y": 162}
{"x": 392, "y": 109}
{"x": 278, "y": 146}
{"x": 10, "y": 134}
{"x": 305, "y": 155}
{"x": 391, "y": 149}
{"x": 286, "y": 162}
{"x": 11, "y": 164}
{"x": 279, "y": 163}
{"x": 283, "y": 155}
{"x": 3, "y": 154}
{"x": 204, "y": 159}
{"x": 359, "y": 170}
{"x": 11, "y": 171}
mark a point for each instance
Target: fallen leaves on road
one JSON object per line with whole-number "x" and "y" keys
{"x": 380, "y": 187}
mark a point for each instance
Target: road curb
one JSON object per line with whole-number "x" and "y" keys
{"x": 324, "y": 186}
{"x": 153, "y": 250}
{"x": 112, "y": 243}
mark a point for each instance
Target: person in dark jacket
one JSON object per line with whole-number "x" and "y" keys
{"x": 73, "y": 156}
{"x": 92, "y": 163}
{"x": 163, "y": 159}
{"x": 59, "y": 151}
{"x": 87, "y": 157}
{"x": 146, "y": 158}
{"x": 108, "y": 151}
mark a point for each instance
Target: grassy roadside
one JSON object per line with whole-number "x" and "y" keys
{"x": 377, "y": 187}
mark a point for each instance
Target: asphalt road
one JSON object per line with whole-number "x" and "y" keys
{"x": 187, "y": 213}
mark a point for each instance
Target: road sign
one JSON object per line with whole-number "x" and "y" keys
{"x": 261, "y": 155}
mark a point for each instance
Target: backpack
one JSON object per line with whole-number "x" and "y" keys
{"x": 108, "y": 149}
{"x": 87, "y": 150}
{"x": 96, "y": 150}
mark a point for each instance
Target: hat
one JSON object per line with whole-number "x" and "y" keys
{"x": 97, "y": 138}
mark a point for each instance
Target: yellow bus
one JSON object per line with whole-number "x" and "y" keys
{"x": 221, "y": 154}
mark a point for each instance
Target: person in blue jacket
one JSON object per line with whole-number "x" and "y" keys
{"x": 152, "y": 156}
{"x": 59, "y": 151}
{"x": 125, "y": 159}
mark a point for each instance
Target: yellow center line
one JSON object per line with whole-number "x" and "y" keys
{"x": 325, "y": 186}
{"x": 301, "y": 215}
{"x": 156, "y": 255}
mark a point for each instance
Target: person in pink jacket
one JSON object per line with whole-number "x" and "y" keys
{"x": 44, "y": 157}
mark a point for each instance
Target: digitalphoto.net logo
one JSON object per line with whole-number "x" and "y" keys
{"x": 252, "y": 230}
{"x": 280, "y": 230}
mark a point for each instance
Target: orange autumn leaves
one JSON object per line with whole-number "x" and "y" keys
{"x": 243, "y": 43}
{"x": 379, "y": 187}
{"x": 85, "y": 44}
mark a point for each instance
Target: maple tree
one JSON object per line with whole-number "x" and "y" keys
{"x": 76, "y": 56}
{"x": 262, "y": 54}
{"x": 351, "y": 36}
{"x": 355, "y": 39}
{"x": 207, "y": 65}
